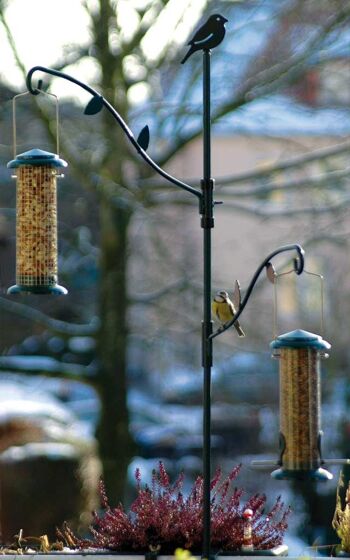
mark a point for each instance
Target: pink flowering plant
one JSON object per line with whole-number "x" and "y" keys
{"x": 162, "y": 519}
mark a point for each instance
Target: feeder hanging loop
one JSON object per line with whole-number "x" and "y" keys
{"x": 299, "y": 263}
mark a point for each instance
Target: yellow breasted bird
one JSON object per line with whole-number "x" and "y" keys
{"x": 224, "y": 310}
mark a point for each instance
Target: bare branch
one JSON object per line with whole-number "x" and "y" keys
{"x": 151, "y": 297}
{"x": 74, "y": 55}
{"x": 48, "y": 367}
{"x": 55, "y": 325}
{"x": 295, "y": 162}
{"x": 259, "y": 210}
{"x": 326, "y": 180}
{"x": 84, "y": 176}
{"x": 333, "y": 180}
{"x": 268, "y": 212}
{"x": 11, "y": 41}
{"x": 145, "y": 24}
{"x": 340, "y": 240}
{"x": 267, "y": 170}
{"x": 266, "y": 81}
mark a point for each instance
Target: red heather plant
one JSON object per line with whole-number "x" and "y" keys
{"x": 162, "y": 519}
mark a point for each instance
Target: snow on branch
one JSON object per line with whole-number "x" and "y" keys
{"x": 46, "y": 366}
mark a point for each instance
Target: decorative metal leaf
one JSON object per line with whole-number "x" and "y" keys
{"x": 94, "y": 106}
{"x": 237, "y": 295}
{"x": 143, "y": 138}
{"x": 271, "y": 272}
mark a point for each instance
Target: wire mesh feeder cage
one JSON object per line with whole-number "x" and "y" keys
{"x": 299, "y": 354}
{"x": 36, "y": 222}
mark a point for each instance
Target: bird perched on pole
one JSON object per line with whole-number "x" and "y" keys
{"x": 208, "y": 36}
{"x": 224, "y": 310}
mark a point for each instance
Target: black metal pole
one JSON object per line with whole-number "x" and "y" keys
{"x": 207, "y": 223}
{"x": 205, "y": 197}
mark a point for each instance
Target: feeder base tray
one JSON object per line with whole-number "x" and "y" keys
{"x": 54, "y": 289}
{"x": 312, "y": 474}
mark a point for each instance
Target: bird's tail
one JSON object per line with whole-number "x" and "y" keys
{"x": 239, "y": 329}
{"x": 188, "y": 54}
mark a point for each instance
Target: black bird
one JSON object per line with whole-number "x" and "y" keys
{"x": 208, "y": 36}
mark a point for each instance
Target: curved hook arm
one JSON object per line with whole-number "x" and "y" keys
{"x": 117, "y": 117}
{"x": 298, "y": 267}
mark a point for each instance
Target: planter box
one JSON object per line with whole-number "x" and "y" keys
{"x": 108, "y": 556}
{"x": 281, "y": 550}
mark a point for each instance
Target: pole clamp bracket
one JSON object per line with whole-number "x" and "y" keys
{"x": 207, "y": 204}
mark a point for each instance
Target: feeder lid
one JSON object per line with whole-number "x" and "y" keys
{"x": 37, "y": 157}
{"x": 300, "y": 339}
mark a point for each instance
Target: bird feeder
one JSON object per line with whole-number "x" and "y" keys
{"x": 299, "y": 354}
{"x": 36, "y": 222}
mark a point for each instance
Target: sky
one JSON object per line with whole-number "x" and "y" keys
{"x": 42, "y": 27}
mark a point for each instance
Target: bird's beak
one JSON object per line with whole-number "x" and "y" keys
{"x": 224, "y": 19}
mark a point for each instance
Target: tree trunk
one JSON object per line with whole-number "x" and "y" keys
{"x": 114, "y": 439}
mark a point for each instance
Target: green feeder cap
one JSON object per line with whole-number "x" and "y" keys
{"x": 37, "y": 157}
{"x": 300, "y": 339}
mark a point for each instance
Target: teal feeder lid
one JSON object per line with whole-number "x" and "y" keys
{"x": 300, "y": 339}
{"x": 37, "y": 157}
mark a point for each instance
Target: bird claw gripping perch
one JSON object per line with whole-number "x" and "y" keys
{"x": 298, "y": 263}
{"x": 224, "y": 310}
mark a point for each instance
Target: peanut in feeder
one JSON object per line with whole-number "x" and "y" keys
{"x": 36, "y": 215}
{"x": 299, "y": 354}
{"x": 36, "y": 222}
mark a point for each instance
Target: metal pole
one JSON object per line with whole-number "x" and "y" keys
{"x": 207, "y": 223}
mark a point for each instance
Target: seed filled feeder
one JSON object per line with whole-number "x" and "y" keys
{"x": 36, "y": 174}
{"x": 299, "y": 354}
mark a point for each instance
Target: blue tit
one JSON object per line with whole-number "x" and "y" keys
{"x": 224, "y": 310}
